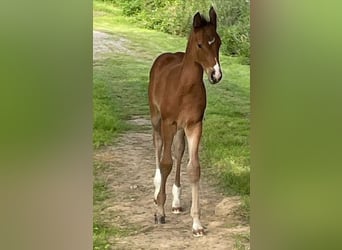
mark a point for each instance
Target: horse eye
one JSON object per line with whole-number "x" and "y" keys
{"x": 199, "y": 45}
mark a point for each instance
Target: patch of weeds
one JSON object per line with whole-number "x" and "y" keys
{"x": 106, "y": 121}
{"x": 236, "y": 180}
{"x": 241, "y": 241}
{"x": 104, "y": 227}
{"x": 102, "y": 233}
{"x": 245, "y": 208}
{"x": 100, "y": 192}
{"x": 107, "y": 116}
{"x": 100, "y": 237}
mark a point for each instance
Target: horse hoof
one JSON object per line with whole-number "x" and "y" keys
{"x": 198, "y": 232}
{"x": 177, "y": 210}
{"x": 159, "y": 219}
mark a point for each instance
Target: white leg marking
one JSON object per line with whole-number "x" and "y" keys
{"x": 176, "y": 192}
{"x": 196, "y": 225}
{"x": 197, "y": 228}
{"x": 157, "y": 183}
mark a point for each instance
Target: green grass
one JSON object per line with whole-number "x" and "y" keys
{"x": 241, "y": 240}
{"x": 145, "y": 43}
{"x": 226, "y": 129}
{"x": 107, "y": 118}
{"x": 120, "y": 92}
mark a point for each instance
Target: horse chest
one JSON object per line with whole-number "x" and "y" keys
{"x": 187, "y": 109}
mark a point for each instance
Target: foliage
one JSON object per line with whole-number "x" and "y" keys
{"x": 131, "y": 7}
{"x": 175, "y": 17}
{"x": 234, "y": 28}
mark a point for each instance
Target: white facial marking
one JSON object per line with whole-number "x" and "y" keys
{"x": 212, "y": 41}
{"x": 157, "y": 182}
{"x": 217, "y": 70}
{"x": 176, "y": 192}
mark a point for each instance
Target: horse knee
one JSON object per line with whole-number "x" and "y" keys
{"x": 194, "y": 172}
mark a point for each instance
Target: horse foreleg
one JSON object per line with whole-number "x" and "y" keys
{"x": 158, "y": 143}
{"x": 179, "y": 146}
{"x": 193, "y": 134}
{"x": 168, "y": 132}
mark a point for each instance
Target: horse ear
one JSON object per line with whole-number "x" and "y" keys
{"x": 197, "y": 22}
{"x": 213, "y": 16}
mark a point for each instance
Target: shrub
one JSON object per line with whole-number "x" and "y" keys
{"x": 131, "y": 7}
{"x": 234, "y": 28}
{"x": 175, "y": 17}
{"x": 236, "y": 41}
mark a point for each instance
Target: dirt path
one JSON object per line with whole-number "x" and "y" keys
{"x": 129, "y": 176}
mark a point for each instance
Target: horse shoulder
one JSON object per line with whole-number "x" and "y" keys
{"x": 167, "y": 59}
{"x": 165, "y": 69}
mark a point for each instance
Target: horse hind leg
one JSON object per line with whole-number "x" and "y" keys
{"x": 178, "y": 150}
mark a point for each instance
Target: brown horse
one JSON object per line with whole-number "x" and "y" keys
{"x": 177, "y": 100}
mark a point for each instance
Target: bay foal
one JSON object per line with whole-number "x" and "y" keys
{"x": 177, "y": 100}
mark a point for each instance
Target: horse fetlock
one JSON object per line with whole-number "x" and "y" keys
{"x": 197, "y": 228}
{"x": 159, "y": 219}
{"x": 176, "y": 206}
{"x": 157, "y": 183}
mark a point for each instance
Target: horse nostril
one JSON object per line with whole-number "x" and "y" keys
{"x": 220, "y": 77}
{"x": 212, "y": 75}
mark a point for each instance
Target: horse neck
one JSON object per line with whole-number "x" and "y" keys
{"x": 192, "y": 71}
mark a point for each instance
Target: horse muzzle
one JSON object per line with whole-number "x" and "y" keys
{"x": 214, "y": 73}
{"x": 215, "y": 76}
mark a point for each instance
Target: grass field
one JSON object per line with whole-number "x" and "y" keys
{"x": 120, "y": 92}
